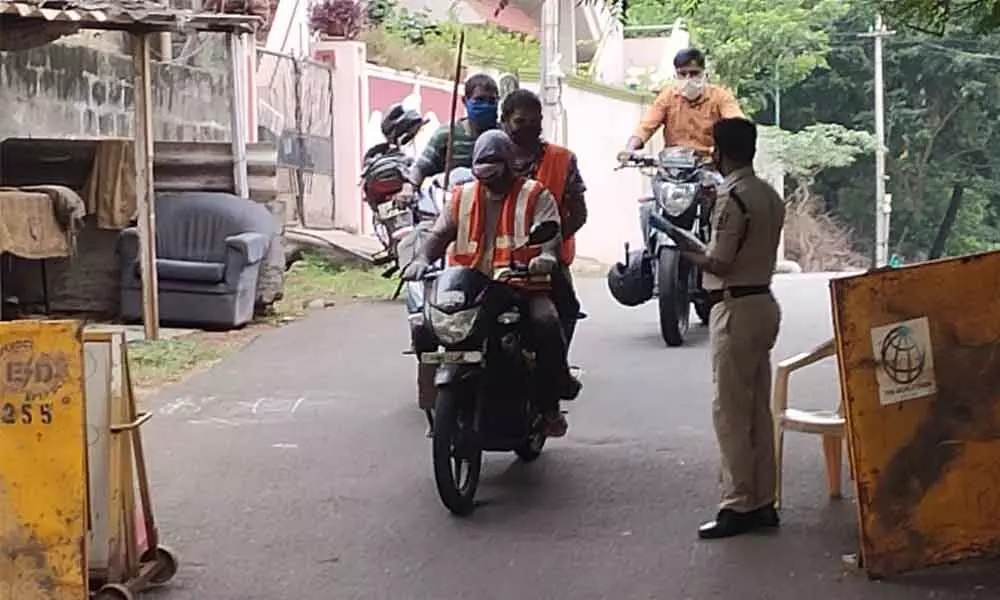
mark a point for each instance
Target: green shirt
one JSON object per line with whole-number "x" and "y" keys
{"x": 431, "y": 160}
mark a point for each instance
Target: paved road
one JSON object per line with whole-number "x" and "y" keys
{"x": 298, "y": 470}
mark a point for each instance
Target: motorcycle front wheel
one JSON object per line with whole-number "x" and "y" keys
{"x": 458, "y": 459}
{"x": 673, "y": 300}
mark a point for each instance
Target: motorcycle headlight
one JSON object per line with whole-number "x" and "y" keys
{"x": 452, "y": 328}
{"x": 676, "y": 198}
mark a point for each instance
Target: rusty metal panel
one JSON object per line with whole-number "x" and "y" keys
{"x": 208, "y": 166}
{"x": 919, "y": 352}
{"x": 43, "y": 477}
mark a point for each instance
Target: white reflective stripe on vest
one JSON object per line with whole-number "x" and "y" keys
{"x": 466, "y": 204}
{"x": 521, "y": 225}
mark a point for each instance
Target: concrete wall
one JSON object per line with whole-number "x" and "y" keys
{"x": 82, "y": 88}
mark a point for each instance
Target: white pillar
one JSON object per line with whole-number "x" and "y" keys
{"x": 350, "y": 112}
{"x": 238, "y": 113}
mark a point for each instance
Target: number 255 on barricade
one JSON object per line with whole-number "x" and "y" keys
{"x": 35, "y": 378}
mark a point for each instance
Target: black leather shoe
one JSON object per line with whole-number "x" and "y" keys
{"x": 727, "y": 523}
{"x": 767, "y": 517}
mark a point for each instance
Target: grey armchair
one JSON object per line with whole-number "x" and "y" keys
{"x": 209, "y": 249}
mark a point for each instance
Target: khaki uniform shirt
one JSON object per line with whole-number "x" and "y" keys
{"x": 749, "y": 241}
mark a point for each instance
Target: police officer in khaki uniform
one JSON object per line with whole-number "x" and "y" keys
{"x": 747, "y": 218}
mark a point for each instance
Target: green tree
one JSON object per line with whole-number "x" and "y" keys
{"x": 754, "y": 46}
{"x": 945, "y": 16}
{"x": 942, "y": 108}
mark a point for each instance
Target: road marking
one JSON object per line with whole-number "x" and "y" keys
{"x": 212, "y": 410}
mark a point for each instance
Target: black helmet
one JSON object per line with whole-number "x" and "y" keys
{"x": 632, "y": 284}
{"x": 400, "y": 126}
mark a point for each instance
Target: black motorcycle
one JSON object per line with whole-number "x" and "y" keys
{"x": 679, "y": 178}
{"x": 486, "y": 372}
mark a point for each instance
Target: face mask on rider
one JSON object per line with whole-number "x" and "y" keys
{"x": 482, "y": 112}
{"x": 492, "y": 175}
{"x": 692, "y": 87}
{"x": 525, "y": 134}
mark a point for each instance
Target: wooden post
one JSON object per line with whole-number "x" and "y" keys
{"x": 238, "y": 111}
{"x": 143, "y": 151}
{"x": 449, "y": 149}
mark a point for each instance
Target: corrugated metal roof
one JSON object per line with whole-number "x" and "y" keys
{"x": 125, "y": 14}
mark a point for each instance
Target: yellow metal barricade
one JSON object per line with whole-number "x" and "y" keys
{"x": 122, "y": 520}
{"x": 43, "y": 503}
{"x": 919, "y": 352}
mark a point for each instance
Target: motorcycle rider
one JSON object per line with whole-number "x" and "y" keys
{"x": 480, "y": 100}
{"x": 556, "y": 168}
{"x": 687, "y": 111}
{"x": 486, "y": 210}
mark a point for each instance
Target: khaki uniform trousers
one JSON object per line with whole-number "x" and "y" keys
{"x": 743, "y": 331}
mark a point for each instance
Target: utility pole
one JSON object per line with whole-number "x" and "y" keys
{"x": 550, "y": 73}
{"x": 777, "y": 95}
{"x": 883, "y": 202}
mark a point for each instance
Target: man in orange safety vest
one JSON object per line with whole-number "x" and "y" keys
{"x": 556, "y": 168}
{"x": 488, "y": 220}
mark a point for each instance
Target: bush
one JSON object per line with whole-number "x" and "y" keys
{"x": 338, "y": 18}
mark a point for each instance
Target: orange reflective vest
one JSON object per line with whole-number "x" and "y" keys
{"x": 553, "y": 171}
{"x": 513, "y": 226}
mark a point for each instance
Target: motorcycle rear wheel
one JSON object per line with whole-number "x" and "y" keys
{"x": 455, "y": 452}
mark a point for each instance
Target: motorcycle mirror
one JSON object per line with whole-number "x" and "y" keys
{"x": 543, "y": 232}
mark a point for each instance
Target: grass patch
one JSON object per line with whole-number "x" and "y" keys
{"x": 159, "y": 361}
{"x": 311, "y": 279}
{"x": 314, "y": 278}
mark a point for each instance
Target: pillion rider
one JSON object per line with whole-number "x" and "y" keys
{"x": 486, "y": 210}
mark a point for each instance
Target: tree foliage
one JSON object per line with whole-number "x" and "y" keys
{"x": 942, "y": 109}
{"x": 942, "y": 106}
{"x": 754, "y": 45}
{"x": 939, "y": 17}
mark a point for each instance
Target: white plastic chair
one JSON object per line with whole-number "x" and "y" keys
{"x": 830, "y": 424}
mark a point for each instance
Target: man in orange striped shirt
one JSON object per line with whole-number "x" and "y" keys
{"x": 687, "y": 110}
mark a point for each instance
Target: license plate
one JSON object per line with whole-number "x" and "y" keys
{"x": 452, "y": 357}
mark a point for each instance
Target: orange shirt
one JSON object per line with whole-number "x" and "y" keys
{"x": 687, "y": 123}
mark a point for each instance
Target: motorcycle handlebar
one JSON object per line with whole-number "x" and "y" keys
{"x": 636, "y": 161}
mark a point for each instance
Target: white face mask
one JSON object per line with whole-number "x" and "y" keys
{"x": 692, "y": 87}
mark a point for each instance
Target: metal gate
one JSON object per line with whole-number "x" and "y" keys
{"x": 295, "y": 111}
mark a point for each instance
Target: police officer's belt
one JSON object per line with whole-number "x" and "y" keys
{"x": 738, "y": 291}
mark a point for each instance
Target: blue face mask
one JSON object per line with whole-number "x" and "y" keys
{"x": 482, "y": 112}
